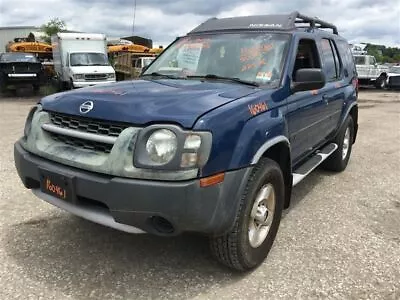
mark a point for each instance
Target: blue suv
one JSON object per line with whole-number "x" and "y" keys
{"x": 211, "y": 139}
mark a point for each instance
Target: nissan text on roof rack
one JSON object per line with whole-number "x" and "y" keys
{"x": 211, "y": 138}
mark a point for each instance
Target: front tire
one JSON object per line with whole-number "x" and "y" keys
{"x": 339, "y": 159}
{"x": 257, "y": 221}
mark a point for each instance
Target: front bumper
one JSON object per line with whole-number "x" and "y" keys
{"x": 131, "y": 205}
{"x": 81, "y": 84}
{"x": 21, "y": 79}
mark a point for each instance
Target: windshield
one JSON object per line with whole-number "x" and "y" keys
{"x": 147, "y": 61}
{"x": 88, "y": 59}
{"x": 252, "y": 57}
{"x": 359, "y": 60}
{"x": 18, "y": 57}
{"x": 395, "y": 69}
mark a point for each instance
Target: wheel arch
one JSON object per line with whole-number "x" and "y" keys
{"x": 354, "y": 114}
{"x": 278, "y": 149}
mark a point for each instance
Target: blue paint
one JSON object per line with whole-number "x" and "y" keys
{"x": 307, "y": 120}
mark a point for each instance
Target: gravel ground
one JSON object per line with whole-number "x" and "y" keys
{"x": 340, "y": 239}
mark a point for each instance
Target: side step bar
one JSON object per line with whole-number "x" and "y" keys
{"x": 301, "y": 172}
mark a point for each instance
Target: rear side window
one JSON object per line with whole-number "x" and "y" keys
{"x": 328, "y": 57}
{"x": 347, "y": 58}
{"x": 360, "y": 60}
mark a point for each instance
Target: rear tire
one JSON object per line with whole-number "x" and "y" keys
{"x": 246, "y": 247}
{"x": 380, "y": 83}
{"x": 339, "y": 159}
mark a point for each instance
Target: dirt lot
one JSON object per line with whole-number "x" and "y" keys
{"x": 340, "y": 239}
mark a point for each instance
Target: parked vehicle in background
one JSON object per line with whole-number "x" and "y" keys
{"x": 130, "y": 65}
{"x": 370, "y": 72}
{"x": 393, "y": 77}
{"x": 211, "y": 138}
{"x": 20, "y": 69}
{"x": 80, "y": 60}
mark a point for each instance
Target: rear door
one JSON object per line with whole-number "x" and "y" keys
{"x": 333, "y": 92}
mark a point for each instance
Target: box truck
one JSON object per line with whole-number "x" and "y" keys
{"x": 80, "y": 60}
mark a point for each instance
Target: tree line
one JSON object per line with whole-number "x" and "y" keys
{"x": 384, "y": 54}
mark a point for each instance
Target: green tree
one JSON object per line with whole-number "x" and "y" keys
{"x": 54, "y": 26}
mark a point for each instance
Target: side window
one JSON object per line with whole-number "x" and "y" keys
{"x": 328, "y": 60}
{"x": 338, "y": 63}
{"x": 372, "y": 60}
{"x": 348, "y": 59}
{"x": 307, "y": 56}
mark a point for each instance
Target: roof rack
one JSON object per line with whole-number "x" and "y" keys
{"x": 269, "y": 22}
{"x": 313, "y": 22}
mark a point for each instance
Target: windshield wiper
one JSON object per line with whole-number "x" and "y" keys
{"x": 156, "y": 74}
{"x": 234, "y": 79}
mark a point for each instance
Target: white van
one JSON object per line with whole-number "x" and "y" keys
{"x": 80, "y": 60}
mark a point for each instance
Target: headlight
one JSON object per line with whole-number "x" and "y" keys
{"x": 161, "y": 146}
{"x": 28, "y": 122}
{"x": 79, "y": 76}
{"x": 168, "y": 147}
{"x": 110, "y": 76}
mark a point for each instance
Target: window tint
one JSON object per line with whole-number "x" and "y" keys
{"x": 348, "y": 59}
{"x": 306, "y": 56}
{"x": 328, "y": 60}
{"x": 360, "y": 60}
{"x": 372, "y": 60}
{"x": 337, "y": 60}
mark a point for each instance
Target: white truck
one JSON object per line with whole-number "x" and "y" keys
{"x": 369, "y": 72}
{"x": 80, "y": 60}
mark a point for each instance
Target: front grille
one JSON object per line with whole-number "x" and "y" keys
{"x": 87, "y": 124}
{"x": 93, "y": 77}
{"x": 81, "y": 143}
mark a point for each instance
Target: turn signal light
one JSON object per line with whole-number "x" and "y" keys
{"x": 212, "y": 180}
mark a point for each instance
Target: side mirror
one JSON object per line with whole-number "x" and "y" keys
{"x": 308, "y": 79}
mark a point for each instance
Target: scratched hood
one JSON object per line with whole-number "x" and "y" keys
{"x": 140, "y": 102}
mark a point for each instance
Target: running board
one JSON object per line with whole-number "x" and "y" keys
{"x": 301, "y": 172}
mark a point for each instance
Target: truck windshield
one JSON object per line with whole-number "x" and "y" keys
{"x": 249, "y": 57}
{"x": 88, "y": 59}
{"x": 359, "y": 60}
{"x": 18, "y": 57}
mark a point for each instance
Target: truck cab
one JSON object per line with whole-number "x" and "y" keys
{"x": 369, "y": 71}
{"x": 80, "y": 60}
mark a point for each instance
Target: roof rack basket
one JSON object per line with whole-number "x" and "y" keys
{"x": 312, "y": 22}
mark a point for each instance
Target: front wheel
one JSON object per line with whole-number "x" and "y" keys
{"x": 257, "y": 221}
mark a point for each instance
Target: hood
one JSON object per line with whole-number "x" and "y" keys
{"x": 141, "y": 102}
{"x": 91, "y": 69}
{"x": 392, "y": 74}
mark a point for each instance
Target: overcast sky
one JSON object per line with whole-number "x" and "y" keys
{"x": 375, "y": 21}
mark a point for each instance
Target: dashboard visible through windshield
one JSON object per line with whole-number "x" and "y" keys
{"x": 250, "y": 57}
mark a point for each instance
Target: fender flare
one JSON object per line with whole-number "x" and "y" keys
{"x": 268, "y": 144}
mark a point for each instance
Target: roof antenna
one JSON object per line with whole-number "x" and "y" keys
{"x": 134, "y": 17}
